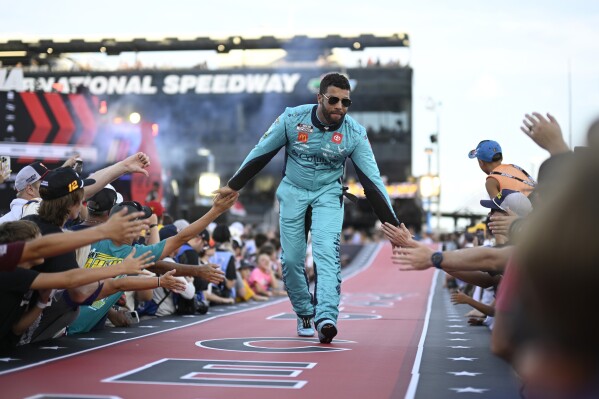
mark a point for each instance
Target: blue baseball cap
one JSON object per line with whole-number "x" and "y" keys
{"x": 485, "y": 150}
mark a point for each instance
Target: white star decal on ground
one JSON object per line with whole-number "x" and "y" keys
{"x": 89, "y": 339}
{"x": 55, "y": 348}
{"x": 219, "y": 310}
{"x": 121, "y": 332}
{"x": 452, "y": 320}
{"x": 455, "y": 332}
{"x": 147, "y": 326}
{"x": 469, "y": 390}
{"x": 170, "y": 321}
{"x": 455, "y": 326}
{"x": 463, "y": 373}
{"x": 467, "y": 359}
{"x": 459, "y": 339}
{"x": 460, "y": 347}
{"x": 190, "y": 315}
{"x": 8, "y": 359}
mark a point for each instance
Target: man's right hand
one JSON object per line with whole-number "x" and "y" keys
{"x": 546, "y": 133}
{"x": 399, "y": 236}
{"x": 123, "y": 227}
{"x": 132, "y": 265}
{"x": 223, "y": 191}
{"x": 224, "y": 199}
{"x": 211, "y": 273}
{"x": 417, "y": 258}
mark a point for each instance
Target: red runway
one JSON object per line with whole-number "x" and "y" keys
{"x": 254, "y": 353}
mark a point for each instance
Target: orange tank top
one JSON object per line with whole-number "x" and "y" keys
{"x": 513, "y": 177}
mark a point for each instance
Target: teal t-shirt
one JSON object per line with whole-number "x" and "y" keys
{"x": 102, "y": 254}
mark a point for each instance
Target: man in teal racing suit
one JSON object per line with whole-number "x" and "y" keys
{"x": 317, "y": 141}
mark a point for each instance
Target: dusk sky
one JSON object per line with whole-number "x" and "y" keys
{"x": 487, "y": 63}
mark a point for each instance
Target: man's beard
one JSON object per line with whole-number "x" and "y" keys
{"x": 327, "y": 116}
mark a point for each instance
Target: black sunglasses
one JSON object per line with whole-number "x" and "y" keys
{"x": 346, "y": 102}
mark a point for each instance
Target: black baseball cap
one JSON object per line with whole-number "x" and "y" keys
{"x": 60, "y": 182}
{"x": 102, "y": 201}
{"x": 132, "y": 206}
{"x": 167, "y": 231}
{"x": 204, "y": 235}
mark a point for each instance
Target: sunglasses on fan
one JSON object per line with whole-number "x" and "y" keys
{"x": 346, "y": 102}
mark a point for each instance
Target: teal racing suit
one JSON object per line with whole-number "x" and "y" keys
{"x": 315, "y": 157}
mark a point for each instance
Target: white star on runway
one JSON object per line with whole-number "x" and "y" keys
{"x": 190, "y": 315}
{"x": 459, "y": 339}
{"x": 147, "y": 326}
{"x": 89, "y": 339}
{"x": 121, "y": 332}
{"x": 55, "y": 348}
{"x": 460, "y": 347}
{"x": 454, "y": 320}
{"x": 469, "y": 390}
{"x": 8, "y": 359}
{"x": 170, "y": 321}
{"x": 455, "y": 332}
{"x": 455, "y": 326}
{"x": 463, "y": 373}
{"x": 468, "y": 359}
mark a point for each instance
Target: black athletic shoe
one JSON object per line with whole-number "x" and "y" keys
{"x": 326, "y": 331}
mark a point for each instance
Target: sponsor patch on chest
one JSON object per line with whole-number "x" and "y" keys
{"x": 337, "y": 137}
{"x": 302, "y": 137}
{"x": 301, "y": 127}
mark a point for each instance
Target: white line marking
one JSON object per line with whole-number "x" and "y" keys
{"x": 411, "y": 392}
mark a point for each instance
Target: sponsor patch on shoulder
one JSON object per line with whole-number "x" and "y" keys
{"x": 301, "y": 127}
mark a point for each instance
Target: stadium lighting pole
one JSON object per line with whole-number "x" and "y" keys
{"x": 429, "y": 152}
{"x": 435, "y": 106}
{"x": 437, "y": 111}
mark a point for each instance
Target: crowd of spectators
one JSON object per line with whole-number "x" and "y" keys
{"x": 530, "y": 271}
{"x": 69, "y": 268}
{"x": 76, "y": 257}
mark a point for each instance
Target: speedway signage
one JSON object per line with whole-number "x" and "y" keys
{"x": 154, "y": 83}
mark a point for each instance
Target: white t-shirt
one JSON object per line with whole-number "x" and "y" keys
{"x": 18, "y": 209}
{"x": 167, "y": 307}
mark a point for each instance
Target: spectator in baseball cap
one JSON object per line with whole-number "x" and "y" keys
{"x": 27, "y": 184}
{"x": 132, "y": 206}
{"x": 61, "y": 182}
{"x": 500, "y": 176}
{"x": 102, "y": 202}
{"x": 98, "y": 208}
{"x": 169, "y": 230}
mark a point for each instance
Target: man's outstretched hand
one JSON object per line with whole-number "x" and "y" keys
{"x": 137, "y": 163}
{"x": 545, "y": 132}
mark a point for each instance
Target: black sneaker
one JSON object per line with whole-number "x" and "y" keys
{"x": 327, "y": 331}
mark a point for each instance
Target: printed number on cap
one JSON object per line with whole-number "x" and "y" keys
{"x": 73, "y": 186}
